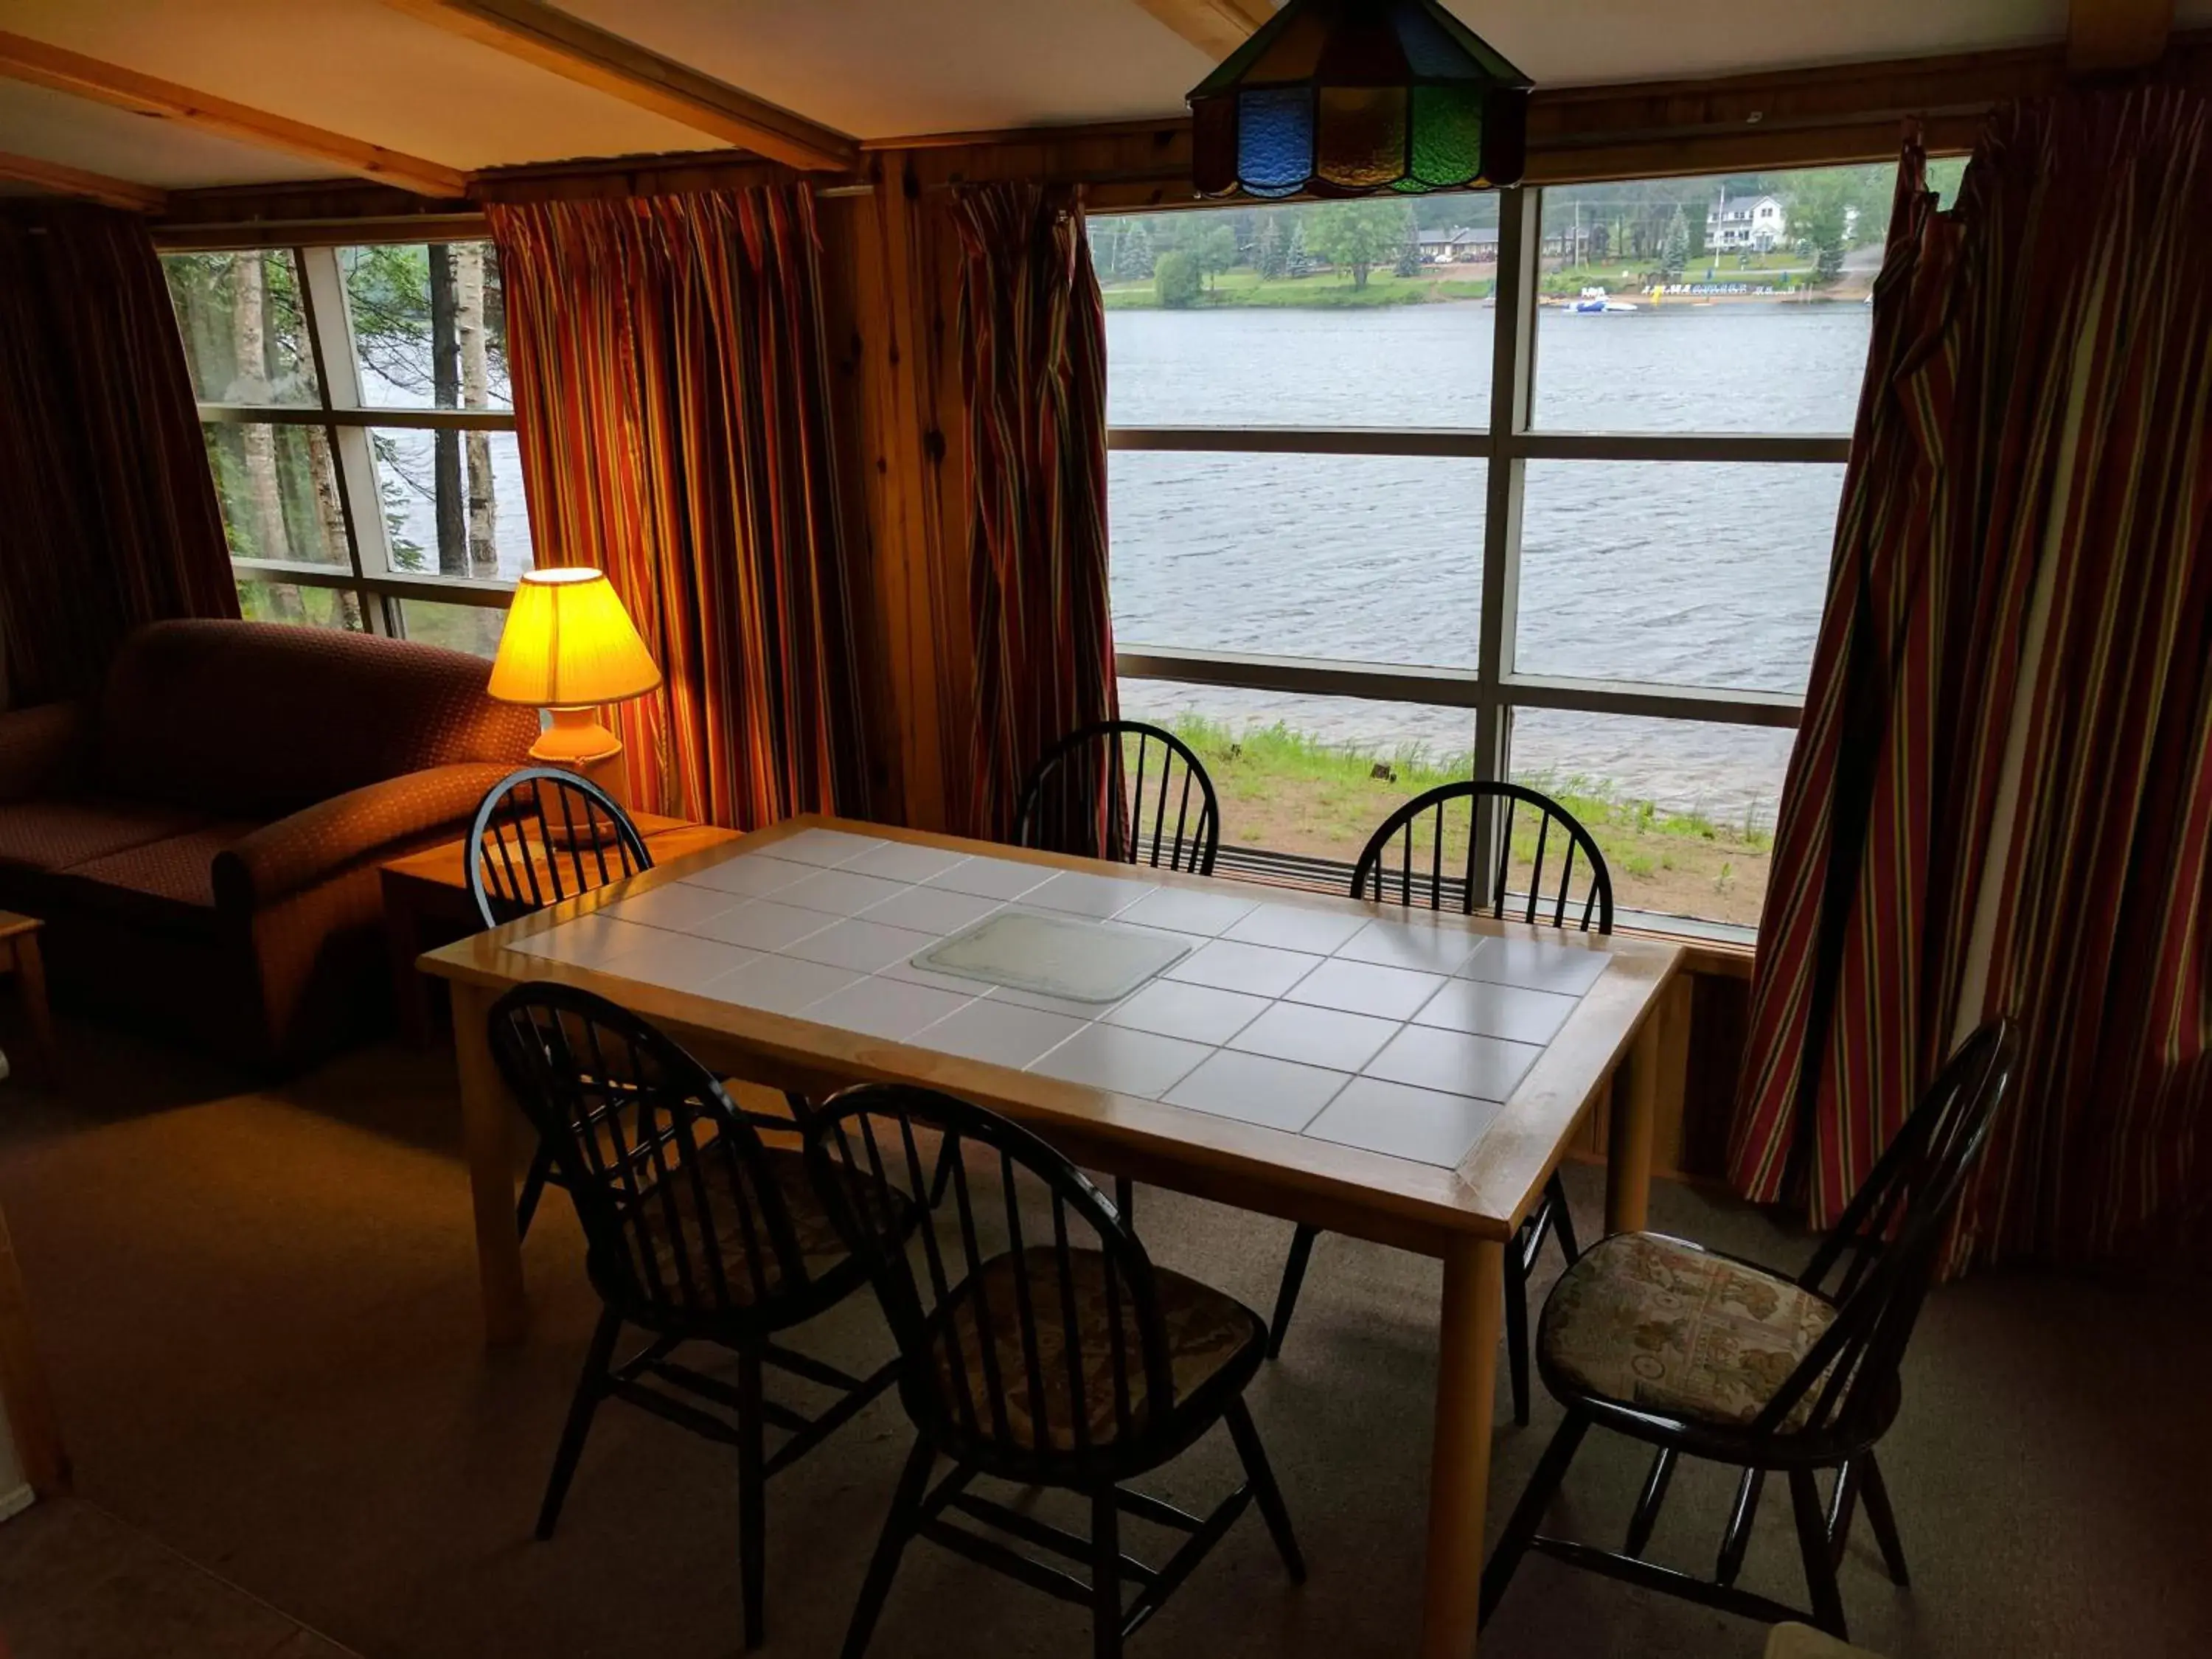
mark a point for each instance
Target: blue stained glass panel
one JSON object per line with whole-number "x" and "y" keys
{"x": 1430, "y": 51}
{"x": 1274, "y": 140}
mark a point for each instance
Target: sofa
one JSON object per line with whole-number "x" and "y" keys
{"x": 202, "y": 837}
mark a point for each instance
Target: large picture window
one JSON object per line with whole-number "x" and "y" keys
{"x": 1538, "y": 486}
{"x": 361, "y": 433}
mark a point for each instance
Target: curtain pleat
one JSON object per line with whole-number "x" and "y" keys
{"x": 111, "y": 520}
{"x": 1033, "y": 361}
{"x": 672, "y": 409}
{"x": 2001, "y": 794}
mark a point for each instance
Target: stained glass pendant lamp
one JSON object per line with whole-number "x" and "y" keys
{"x": 1358, "y": 98}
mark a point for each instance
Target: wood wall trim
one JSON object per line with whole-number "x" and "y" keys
{"x": 33, "y": 61}
{"x": 1797, "y": 117}
{"x": 568, "y": 46}
{"x": 76, "y": 181}
{"x": 2105, "y": 35}
{"x": 30, "y": 1406}
{"x": 1215, "y": 27}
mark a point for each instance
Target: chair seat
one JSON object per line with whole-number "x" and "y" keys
{"x": 1660, "y": 1325}
{"x": 1208, "y": 1333}
{"x": 669, "y": 1224}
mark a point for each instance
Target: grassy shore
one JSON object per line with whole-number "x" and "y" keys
{"x": 1244, "y": 289}
{"x": 1291, "y": 792}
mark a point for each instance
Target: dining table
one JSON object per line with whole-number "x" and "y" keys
{"x": 1405, "y": 1076}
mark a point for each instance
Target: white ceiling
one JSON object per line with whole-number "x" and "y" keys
{"x": 876, "y": 69}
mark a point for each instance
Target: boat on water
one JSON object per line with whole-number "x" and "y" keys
{"x": 1599, "y": 308}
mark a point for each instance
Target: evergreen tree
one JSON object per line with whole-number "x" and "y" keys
{"x": 1267, "y": 253}
{"x": 1674, "y": 250}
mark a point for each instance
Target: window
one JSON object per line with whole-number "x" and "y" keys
{"x": 361, "y": 432}
{"x": 1347, "y": 569}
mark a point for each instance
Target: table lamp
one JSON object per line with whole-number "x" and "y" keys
{"x": 570, "y": 647}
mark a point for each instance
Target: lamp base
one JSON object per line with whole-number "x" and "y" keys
{"x": 576, "y": 741}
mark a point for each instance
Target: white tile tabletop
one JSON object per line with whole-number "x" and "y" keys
{"x": 1124, "y": 1062}
{"x": 1254, "y": 970}
{"x": 1280, "y": 1094}
{"x": 1081, "y": 895}
{"x": 1398, "y": 1035}
{"x": 1197, "y": 1013}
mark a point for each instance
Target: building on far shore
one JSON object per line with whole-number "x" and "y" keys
{"x": 1459, "y": 247}
{"x": 1758, "y": 223}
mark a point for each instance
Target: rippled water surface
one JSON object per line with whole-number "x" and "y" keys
{"x": 1694, "y": 574}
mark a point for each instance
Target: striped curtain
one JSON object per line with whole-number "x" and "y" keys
{"x": 2001, "y": 795}
{"x": 111, "y": 518}
{"x": 672, "y": 405}
{"x": 1033, "y": 365}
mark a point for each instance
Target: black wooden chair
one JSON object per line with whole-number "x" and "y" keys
{"x": 543, "y": 835}
{"x": 1405, "y": 863}
{"x": 1093, "y": 794}
{"x": 1700, "y": 1355}
{"x": 1042, "y": 1348}
{"x": 696, "y": 1230}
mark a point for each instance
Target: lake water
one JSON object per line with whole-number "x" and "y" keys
{"x": 1693, "y": 575}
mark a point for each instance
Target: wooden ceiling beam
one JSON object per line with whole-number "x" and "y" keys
{"x": 36, "y": 62}
{"x": 1215, "y": 27}
{"x": 76, "y": 181}
{"x": 2105, "y": 35}
{"x": 591, "y": 56}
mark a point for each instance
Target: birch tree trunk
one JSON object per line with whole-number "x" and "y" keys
{"x": 475, "y": 393}
{"x": 249, "y": 334}
{"x": 249, "y": 346}
{"x": 444, "y": 393}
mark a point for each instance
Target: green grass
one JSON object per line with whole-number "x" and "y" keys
{"x": 1292, "y": 791}
{"x": 1235, "y": 289}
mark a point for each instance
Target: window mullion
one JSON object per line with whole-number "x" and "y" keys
{"x": 331, "y": 323}
{"x": 1512, "y": 349}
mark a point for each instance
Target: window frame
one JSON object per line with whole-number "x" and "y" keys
{"x": 380, "y": 592}
{"x": 1493, "y": 690}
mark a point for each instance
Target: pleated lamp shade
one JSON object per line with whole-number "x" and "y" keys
{"x": 569, "y": 644}
{"x": 1357, "y": 98}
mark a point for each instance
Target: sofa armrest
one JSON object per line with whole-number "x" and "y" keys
{"x": 319, "y": 842}
{"x": 41, "y": 749}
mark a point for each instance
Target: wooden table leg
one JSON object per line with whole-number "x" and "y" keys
{"x": 31, "y": 986}
{"x": 1459, "y": 1460}
{"x": 1636, "y": 1109}
{"x": 487, "y": 1119}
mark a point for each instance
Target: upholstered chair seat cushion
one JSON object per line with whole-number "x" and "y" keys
{"x": 671, "y": 1226}
{"x": 1207, "y": 1333}
{"x": 1659, "y": 1324}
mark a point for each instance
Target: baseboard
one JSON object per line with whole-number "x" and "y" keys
{"x": 13, "y": 1503}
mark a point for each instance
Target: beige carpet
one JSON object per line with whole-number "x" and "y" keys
{"x": 258, "y": 1310}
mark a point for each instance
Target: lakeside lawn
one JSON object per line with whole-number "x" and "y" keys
{"x": 1326, "y": 290}
{"x": 1290, "y": 792}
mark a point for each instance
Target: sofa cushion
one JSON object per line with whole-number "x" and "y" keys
{"x": 261, "y": 719}
{"x": 53, "y": 835}
{"x": 166, "y": 879}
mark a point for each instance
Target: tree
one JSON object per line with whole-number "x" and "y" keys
{"x": 1296, "y": 260}
{"x": 1820, "y": 214}
{"x": 1215, "y": 250}
{"x": 1268, "y": 250}
{"x": 1357, "y": 236}
{"x": 1175, "y": 279}
{"x": 1409, "y": 259}
{"x": 1674, "y": 250}
{"x": 475, "y": 393}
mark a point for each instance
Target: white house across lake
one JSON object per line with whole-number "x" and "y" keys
{"x": 1759, "y": 223}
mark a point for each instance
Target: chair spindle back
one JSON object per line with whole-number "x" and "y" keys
{"x": 543, "y": 835}
{"x": 1125, "y": 791}
{"x": 1407, "y": 862}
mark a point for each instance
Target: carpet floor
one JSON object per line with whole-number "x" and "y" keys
{"x": 258, "y": 1308}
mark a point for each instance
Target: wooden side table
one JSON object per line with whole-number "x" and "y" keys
{"x": 18, "y": 956}
{"x": 426, "y": 904}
